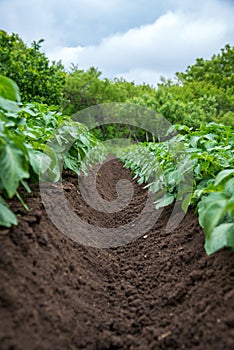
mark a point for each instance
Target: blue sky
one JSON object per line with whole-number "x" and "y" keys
{"x": 139, "y": 40}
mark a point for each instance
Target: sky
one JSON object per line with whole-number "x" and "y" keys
{"x": 138, "y": 40}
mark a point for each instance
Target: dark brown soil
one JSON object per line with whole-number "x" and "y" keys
{"x": 159, "y": 292}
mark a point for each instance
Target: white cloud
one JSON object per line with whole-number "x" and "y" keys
{"x": 140, "y": 76}
{"x": 74, "y": 22}
{"x": 169, "y": 44}
{"x": 126, "y": 38}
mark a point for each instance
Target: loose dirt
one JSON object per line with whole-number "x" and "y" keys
{"x": 160, "y": 291}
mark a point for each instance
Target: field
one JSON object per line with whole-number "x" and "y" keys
{"x": 116, "y": 206}
{"x": 158, "y": 292}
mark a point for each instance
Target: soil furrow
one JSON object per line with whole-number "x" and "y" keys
{"x": 158, "y": 292}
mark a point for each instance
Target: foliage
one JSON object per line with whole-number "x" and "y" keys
{"x": 200, "y": 95}
{"x": 37, "y": 78}
{"x": 29, "y": 146}
{"x": 84, "y": 89}
{"x": 218, "y": 71}
{"x": 194, "y": 167}
{"x": 216, "y": 212}
{"x": 179, "y": 105}
{"x": 218, "y": 75}
{"x": 191, "y": 167}
{"x": 204, "y": 93}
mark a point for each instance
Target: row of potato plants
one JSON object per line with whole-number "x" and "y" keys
{"x": 34, "y": 140}
{"x": 195, "y": 167}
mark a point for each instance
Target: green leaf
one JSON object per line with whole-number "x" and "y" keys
{"x": 39, "y": 161}
{"x": 211, "y": 215}
{"x": 8, "y": 105}
{"x": 9, "y": 89}
{"x": 229, "y": 188}
{"x": 230, "y": 207}
{"x": 13, "y": 167}
{"x": 71, "y": 163}
{"x": 53, "y": 172}
{"x": 155, "y": 186}
{"x": 85, "y": 140}
{"x": 223, "y": 175}
{"x": 167, "y": 199}
{"x": 7, "y": 218}
{"x": 194, "y": 140}
{"x": 222, "y": 236}
{"x": 186, "y": 202}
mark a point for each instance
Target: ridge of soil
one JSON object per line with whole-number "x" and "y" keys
{"x": 159, "y": 292}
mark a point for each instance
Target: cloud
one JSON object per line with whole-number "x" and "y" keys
{"x": 133, "y": 39}
{"x": 75, "y": 22}
{"x": 169, "y": 44}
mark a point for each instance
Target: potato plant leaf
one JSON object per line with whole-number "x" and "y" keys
{"x": 9, "y": 89}
{"x": 13, "y": 166}
{"x": 223, "y": 175}
{"x": 222, "y": 236}
{"x": 8, "y": 105}
{"x": 7, "y": 218}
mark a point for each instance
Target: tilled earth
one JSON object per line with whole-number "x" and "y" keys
{"x": 159, "y": 291}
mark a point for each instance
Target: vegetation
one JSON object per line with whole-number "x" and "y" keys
{"x": 37, "y": 78}
{"x": 27, "y": 146}
{"x": 84, "y": 89}
{"x": 195, "y": 166}
{"x": 204, "y": 93}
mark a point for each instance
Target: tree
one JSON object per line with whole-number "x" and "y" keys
{"x": 217, "y": 71}
{"x": 38, "y": 79}
{"x": 203, "y": 93}
{"x": 218, "y": 74}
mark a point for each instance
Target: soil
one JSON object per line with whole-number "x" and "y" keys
{"x": 159, "y": 291}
